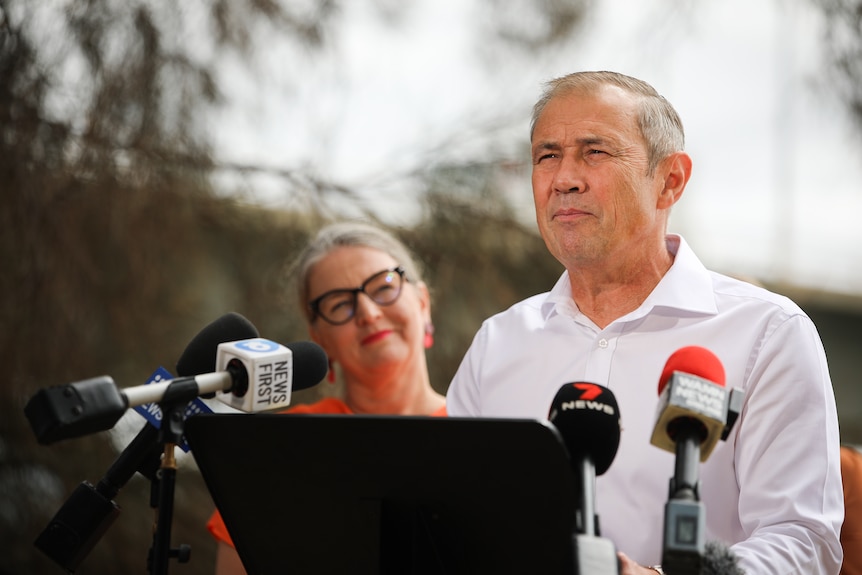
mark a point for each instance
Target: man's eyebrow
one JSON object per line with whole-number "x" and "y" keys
{"x": 591, "y": 140}
{"x": 584, "y": 141}
{"x": 547, "y": 145}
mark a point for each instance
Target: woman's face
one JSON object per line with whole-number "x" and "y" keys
{"x": 378, "y": 338}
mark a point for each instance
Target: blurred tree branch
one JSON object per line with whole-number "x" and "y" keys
{"x": 843, "y": 42}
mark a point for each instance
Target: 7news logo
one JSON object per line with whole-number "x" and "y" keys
{"x": 587, "y": 399}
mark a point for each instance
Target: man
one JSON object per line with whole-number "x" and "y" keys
{"x": 608, "y": 166}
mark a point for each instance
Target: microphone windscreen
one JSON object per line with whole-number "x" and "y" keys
{"x": 588, "y": 419}
{"x": 199, "y": 356}
{"x": 718, "y": 559}
{"x": 693, "y": 360}
{"x": 310, "y": 364}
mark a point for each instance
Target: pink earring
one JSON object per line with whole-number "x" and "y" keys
{"x": 330, "y": 375}
{"x": 429, "y": 335}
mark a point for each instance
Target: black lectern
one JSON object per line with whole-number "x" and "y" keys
{"x": 389, "y": 495}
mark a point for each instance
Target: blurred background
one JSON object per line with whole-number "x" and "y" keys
{"x": 161, "y": 162}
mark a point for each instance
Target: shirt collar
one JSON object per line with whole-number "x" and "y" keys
{"x": 687, "y": 286}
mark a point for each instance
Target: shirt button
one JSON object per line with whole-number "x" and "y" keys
{"x": 603, "y": 343}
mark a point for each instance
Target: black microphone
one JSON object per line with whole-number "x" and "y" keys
{"x": 94, "y": 405}
{"x": 588, "y": 419}
{"x": 718, "y": 559}
{"x": 251, "y": 374}
{"x": 310, "y": 365}
{"x": 200, "y": 354}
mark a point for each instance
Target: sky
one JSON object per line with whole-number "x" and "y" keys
{"x": 777, "y": 180}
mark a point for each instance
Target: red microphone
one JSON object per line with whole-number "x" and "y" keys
{"x": 695, "y": 360}
{"x": 692, "y": 400}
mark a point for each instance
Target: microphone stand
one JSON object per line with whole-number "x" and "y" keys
{"x": 88, "y": 513}
{"x": 684, "y": 520}
{"x": 593, "y": 555}
{"x": 173, "y": 405}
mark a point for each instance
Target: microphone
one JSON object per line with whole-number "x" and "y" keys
{"x": 200, "y": 355}
{"x": 582, "y": 410}
{"x": 251, "y": 375}
{"x": 270, "y": 371}
{"x": 588, "y": 419}
{"x": 718, "y": 559}
{"x": 694, "y": 412}
{"x": 198, "y": 358}
{"x": 693, "y": 402}
{"x": 310, "y": 365}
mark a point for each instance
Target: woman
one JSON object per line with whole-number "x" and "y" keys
{"x": 366, "y": 305}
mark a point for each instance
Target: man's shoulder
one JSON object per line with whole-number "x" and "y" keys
{"x": 532, "y": 306}
{"x": 743, "y": 289}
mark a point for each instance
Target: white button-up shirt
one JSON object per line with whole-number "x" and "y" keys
{"x": 772, "y": 490}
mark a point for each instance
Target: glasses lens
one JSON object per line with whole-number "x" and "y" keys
{"x": 337, "y": 307}
{"x": 384, "y": 288}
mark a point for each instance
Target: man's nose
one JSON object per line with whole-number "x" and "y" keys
{"x": 569, "y": 177}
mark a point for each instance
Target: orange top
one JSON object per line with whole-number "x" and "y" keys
{"x": 330, "y": 405}
{"x": 851, "y": 531}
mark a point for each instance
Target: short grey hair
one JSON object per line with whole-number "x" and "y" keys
{"x": 659, "y": 123}
{"x": 349, "y": 234}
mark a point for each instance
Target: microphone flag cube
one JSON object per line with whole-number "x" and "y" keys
{"x": 688, "y": 397}
{"x": 269, "y": 367}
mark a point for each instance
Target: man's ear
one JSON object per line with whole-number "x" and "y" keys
{"x": 677, "y": 171}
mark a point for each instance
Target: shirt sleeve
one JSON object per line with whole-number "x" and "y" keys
{"x": 787, "y": 457}
{"x": 462, "y": 397}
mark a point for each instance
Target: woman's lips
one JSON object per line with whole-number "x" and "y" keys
{"x": 375, "y": 337}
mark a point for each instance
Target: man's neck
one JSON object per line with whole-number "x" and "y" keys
{"x": 604, "y": 293}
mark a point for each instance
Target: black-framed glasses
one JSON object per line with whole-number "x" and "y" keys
{"x": 338, "y": 306}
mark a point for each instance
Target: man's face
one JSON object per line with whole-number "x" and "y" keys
{"x": 594, "y": 198}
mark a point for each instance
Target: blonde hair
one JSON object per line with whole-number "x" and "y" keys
{"x": 347, "y": 234}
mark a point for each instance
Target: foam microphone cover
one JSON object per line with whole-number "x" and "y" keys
{"x": 588, "y": 419}
{"x": 718, "y": 559}
{"x": 199, "y": 356}
{"x": 693, "y": 360}
{"x": 310, "y": 364}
